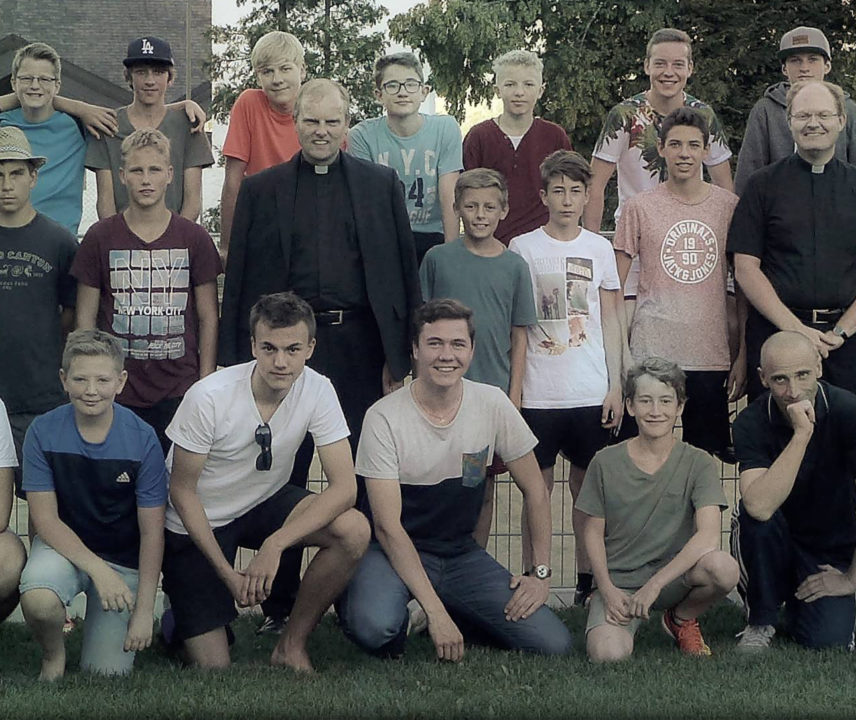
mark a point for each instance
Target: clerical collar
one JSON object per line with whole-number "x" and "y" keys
{"x": 815, "y": 169}
{"x": 321, "y": 169}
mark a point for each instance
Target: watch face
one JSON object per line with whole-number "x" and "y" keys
{"x": 542, "y": 572}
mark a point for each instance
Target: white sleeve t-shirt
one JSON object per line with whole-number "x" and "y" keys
{"x": 218, "y": 417}
{"x": 8, "y": 458}
{"x": 565, "y": 359}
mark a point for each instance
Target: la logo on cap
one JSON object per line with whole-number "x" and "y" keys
{"x": 800, "y": 40}
{"x": 147, "y": 48}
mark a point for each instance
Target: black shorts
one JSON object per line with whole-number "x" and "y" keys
{"x": 705, "y": 417}
{"x": 577, "y": 432}
{"x": 200, "y": 600}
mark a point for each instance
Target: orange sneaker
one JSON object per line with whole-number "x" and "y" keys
{"x": 686, "y": 634}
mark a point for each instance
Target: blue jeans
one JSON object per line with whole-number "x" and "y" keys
{"x": 474, "y": 589}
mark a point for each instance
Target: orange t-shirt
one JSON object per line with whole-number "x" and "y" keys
{"x": 259, "y": 135}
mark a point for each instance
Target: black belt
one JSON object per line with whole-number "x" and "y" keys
{"x": 339, "y": 317}
{"x": 818, "y": 317}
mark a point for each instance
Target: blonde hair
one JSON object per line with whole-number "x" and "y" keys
{"x": 526, "y": 58}
{"x": 143, "y": 138}
{"x": 274, "y": 44}
{"x": 37, "y": 51}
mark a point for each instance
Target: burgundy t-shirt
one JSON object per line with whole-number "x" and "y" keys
{"x": 147, "y": 300}
{"x": 487, "y": 146}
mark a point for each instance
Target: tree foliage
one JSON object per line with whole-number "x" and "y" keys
{"x": 337, "y": 37}
{"x": 593, "y": 50}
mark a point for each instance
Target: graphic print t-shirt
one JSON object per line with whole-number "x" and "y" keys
{"x": 147, "y": 300}
{"x": 680, "y": 311}
{"x": 565, "y": 359}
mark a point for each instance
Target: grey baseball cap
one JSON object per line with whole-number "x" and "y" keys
{"x": 804, "y": 39}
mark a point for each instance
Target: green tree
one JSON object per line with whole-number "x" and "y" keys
{"x": 337, "y": 36}
{"x": 593, "y": 50}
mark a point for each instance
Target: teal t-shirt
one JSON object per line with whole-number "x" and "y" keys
{"x": 419, "y": 160}
{"x": 499, "y": 291}
{"x": 59, "y": 189}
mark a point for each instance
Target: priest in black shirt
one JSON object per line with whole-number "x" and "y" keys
{"x": 792, "y": 237}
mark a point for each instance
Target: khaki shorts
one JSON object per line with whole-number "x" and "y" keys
{"x": 669, "y": 596}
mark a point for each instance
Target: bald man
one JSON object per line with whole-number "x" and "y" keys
{"x": 794, "y": 531}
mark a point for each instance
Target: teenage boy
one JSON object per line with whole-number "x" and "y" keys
{"x": 629, "y": 138}
{"x": 794, "y": 531}
{"x": 678, "y": 231}
{"x": 425, "y": 150}
{"x": 424, "y": 451}
{"x": 96, "y": 485}
{"x": 261, "y": 130}
{"x": 516, "y": 142}
{"x": 149, "y": 71}
{"x": 805, "y": 55}
{"x": 37, "y": 291}
{"x": 12, "y": 553}
{"x": 36, "y": 79}
{"x": 149, "y": 276}
{"x": 235, "y": 437}
{"x": 481, "y": 273}
{"x": 572, "y": 379}
{"x": 653, "y": 506}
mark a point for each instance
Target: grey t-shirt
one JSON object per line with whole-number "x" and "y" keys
{"x": 186, "y": 151}
{"x": 649, "y": 518}
{"x": 499, "y": 291}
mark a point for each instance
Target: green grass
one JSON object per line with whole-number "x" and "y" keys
{"x": 658, "y": 682}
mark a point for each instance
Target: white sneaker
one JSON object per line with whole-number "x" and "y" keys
{"x": 755, "y": 638}
{"x": 418, "y": 619}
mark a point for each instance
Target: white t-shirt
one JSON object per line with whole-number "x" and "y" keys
{"x": 8, "y": 458}
{"x": 218, "y": 417}
{"x": 565, "y": 359}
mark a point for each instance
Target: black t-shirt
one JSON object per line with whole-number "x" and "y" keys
{"x": 34, "y": 285}
{"x": 821, "y": 508}
{"x": 801, "y": 226}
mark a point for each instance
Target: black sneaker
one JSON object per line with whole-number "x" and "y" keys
{"x": 271, "y": 626}
{"x": 582, "y": 596}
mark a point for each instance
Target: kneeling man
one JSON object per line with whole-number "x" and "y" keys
{"x": 794, "y": 534}
{"x": 652, "y": 534}
{"x": 424, "y": 451}
{"x": 236, "y": 433}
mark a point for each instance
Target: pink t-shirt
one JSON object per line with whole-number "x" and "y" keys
{"x": 680, "y": 311}
{"x": 148, "y": 302}
{"x": 258, "y": 134}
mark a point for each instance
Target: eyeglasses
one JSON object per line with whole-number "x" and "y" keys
{"x": 263, "y": 438}
{"x": 40, "y": 79}
{"x": 394, "y": 86}
{"x": 804, "y": 117}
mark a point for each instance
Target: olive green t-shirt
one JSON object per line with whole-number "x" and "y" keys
{"x": 649, "y": 518}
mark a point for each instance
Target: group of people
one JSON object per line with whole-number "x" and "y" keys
{"x": 355, "y": 258}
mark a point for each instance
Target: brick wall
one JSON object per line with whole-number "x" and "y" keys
{"x": 94, "y": 34}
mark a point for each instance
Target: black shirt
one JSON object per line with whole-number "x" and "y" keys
{"x": 802, "y": 225}
{"x": 821, "y": 508}
{"x": 326, "y": 265}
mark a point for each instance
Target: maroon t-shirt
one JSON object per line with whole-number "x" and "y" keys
{"x": 148, "y": 302}
{"x": 487, "y": 146}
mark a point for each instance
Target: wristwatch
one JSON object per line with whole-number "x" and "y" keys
{"x": 542, "y": 572}
{"x": 840, "y": 332}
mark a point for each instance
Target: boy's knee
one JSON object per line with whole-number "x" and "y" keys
{"x": 721, "y": 570}
{"x": 41, "y": 604}
{"x": 351, "y": 531}
{"x": 556, "y": 643}
{"x": 375, "y": 630}
{"x": 608, "y": 645}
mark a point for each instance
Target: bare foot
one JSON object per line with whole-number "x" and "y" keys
{"x": 52, "y": 668}
{"x": 295, "y": 658}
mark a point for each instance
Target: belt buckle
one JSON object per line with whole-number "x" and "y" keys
{"x": 339, "y": 316}
{"x": 815, "y": 316}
